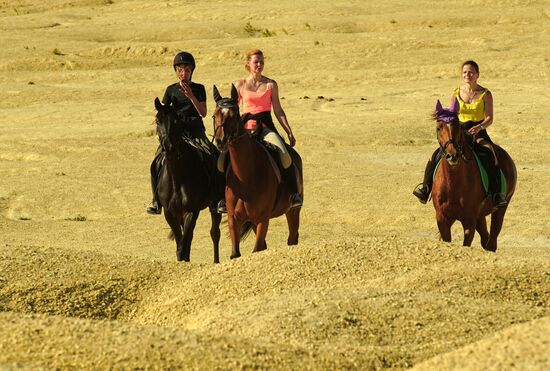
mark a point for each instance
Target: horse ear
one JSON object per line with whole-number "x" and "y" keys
{"x": 217, "y": 95}
{"x": 456, "y": 106}
{"x": 438, "y": 108}
{"x": 158, "y": 105}
{"x": 234, "y": 94}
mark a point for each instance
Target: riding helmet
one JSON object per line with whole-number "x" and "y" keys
{"x": 184, "y": 58}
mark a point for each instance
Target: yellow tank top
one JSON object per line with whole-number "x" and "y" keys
{"x": 471, "y": 111}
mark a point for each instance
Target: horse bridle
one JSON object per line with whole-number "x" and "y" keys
{"x": 180, "y": 139}
{"x": 443, "y": 147}
{"x": 222, "y": 103}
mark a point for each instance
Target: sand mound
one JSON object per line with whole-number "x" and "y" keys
{"x": 522, "y": 347}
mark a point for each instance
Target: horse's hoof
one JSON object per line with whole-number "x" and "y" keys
{"x": 181, "y": 257}
{"x": 235, "y": 256}
{"x": 262, "y": 248}
{"x": 292, "y": 241}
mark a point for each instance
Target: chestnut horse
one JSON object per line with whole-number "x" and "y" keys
{"x": 253, "y": 192}
{"x": 458, "y": 192}
{"x": 185, "y": 185}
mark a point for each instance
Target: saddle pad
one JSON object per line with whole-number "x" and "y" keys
{"x": 485, "y": 176}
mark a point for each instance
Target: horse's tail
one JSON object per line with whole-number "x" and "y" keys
{"x": 246, "y": 228}
{"x": 171, "y": 236}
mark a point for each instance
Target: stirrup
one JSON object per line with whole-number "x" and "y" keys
{"x": 154, "y": 208}
{"x": 222, "y": 207}
{"x": 422, "y": 192}
{"x": 295, "y": 200}
{"x": 499, "y": 200}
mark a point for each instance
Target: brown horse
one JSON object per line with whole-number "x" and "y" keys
{"x": 253, "y": 192}
{"x": 458, "y": 192}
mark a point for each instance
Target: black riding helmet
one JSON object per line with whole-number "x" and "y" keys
{"x": 184, "y": 58}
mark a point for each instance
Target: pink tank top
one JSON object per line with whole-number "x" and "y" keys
{"x": 255, "y": 102}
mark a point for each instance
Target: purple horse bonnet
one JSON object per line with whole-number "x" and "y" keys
{"x": 447, "y": 115}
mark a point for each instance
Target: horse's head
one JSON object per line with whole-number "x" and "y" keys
{"x": 449, "y": 132}
{"x": 227, "y": 120}
{"x": 169, "y": 133}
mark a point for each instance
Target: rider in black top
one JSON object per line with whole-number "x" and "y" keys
{"x": 189, "y": 100}
{"x": 187, "y": 112}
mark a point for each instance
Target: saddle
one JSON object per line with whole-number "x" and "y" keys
{"x": 207, "y": 155}
{"x": 270, "y": 150}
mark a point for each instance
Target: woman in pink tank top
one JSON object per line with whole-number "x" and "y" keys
{"x": 258, "y": 94}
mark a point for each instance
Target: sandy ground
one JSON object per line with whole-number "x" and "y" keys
{"x": 88, "y": 280}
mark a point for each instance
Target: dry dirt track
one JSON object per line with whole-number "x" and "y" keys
{"x": 88, "y": 280}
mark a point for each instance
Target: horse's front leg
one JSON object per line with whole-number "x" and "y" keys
{"x": 497, "y": 218}
{"x": 444, "y": 226}
{"x": 293, "y": 221}
{"x": 235, "y": 234}
{"x": 175, "y": 226}
{"x": 189, "y": 220}
{"x": 469, "y": 227}
{"x": 215, "y": 234}
{"x": 481, "y": 228}
{"x": 261, "y": 232}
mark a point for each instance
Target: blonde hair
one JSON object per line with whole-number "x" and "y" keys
{"x": 249, "y": 56}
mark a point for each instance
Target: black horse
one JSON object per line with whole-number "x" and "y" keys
{"x": 186, "y": 182}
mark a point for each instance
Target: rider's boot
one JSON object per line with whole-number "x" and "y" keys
{"x": 493, "y": 171}
{"x": 222, "y": 164}
{"x": 289, "y": 177}
{"x": 422, "y": 191}
{"x": 154, "y": 208}
{"x": 222, "y": 206}
{"x": 499, "y": 198}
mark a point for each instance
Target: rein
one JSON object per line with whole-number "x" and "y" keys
{"x": 180, "y": 141}
{"x": 459, "y": 146}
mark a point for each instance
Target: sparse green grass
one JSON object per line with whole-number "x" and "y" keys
{"x": 250, "y": 30}
{"x": 268, "y": 33}
{"x": 253, "y": 31}
{"x": 77, "y": 218}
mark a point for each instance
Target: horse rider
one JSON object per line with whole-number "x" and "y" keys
{"x": 475, "y": 115}
{"x": 188, "y": 98}
{"x": 258, "y": 94}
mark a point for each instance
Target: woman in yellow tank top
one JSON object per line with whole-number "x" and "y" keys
{"x": 475, "y": 115}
